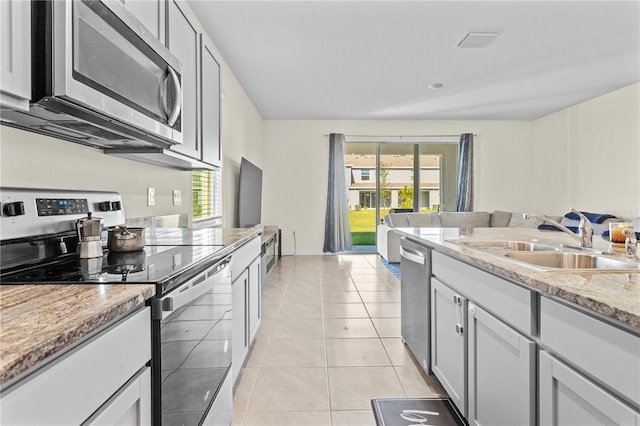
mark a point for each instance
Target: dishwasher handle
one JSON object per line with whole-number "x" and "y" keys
{"x": 194, "y": 288}
{"x": 413, "y": 256}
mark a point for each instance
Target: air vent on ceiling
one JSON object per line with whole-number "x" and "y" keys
{"x": 477, "y": 39}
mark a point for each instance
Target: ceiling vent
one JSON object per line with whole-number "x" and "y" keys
{"x": 477, "y": 39}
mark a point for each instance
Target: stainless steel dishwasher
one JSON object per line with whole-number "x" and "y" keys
{"x": 415, "y": 272}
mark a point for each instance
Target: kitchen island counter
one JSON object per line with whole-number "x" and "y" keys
{"x": 39, "y": 321}
{"x": 614, "y": 296}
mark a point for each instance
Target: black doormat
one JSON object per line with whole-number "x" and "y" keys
{"x": 416, "y": 411}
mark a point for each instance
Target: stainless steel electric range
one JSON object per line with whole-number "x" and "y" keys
{"x": 191, "y": 312}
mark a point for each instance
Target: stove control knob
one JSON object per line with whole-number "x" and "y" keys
{"x": 116, "y": 205}
{"x": 104, "y": 206}
{"x": 14, "y": 209}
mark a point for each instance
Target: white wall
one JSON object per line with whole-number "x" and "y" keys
{"x": 30, "y": 160}
{"x": 296, "y": 163}
{"x": 588, "y": 156}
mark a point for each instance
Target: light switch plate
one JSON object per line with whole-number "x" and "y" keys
{"x": 177, "y": 197}
{"x": 151, "y": 197}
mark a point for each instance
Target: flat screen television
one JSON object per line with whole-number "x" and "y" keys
{"x": 249, "y": 195}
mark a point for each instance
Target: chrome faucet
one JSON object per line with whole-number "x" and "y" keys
{"x": 585, "y": 229}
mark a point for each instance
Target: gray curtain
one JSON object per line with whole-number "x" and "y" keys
{"x": 465, "y": 173}
{"x": 337, "y": 237}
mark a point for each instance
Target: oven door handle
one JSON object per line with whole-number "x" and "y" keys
{"x": 195, "y": 288}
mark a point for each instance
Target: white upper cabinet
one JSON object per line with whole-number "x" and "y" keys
{"x": 210, "y": 105}
{"x": 187, "y": 40}
{"x": 182, "y": 36}
{"x": 151, "y": 13}
{"x": 15, "y": 59}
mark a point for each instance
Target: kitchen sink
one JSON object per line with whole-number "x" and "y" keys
{"x": 505, "y": 245}
{"x": 550, "y": 261}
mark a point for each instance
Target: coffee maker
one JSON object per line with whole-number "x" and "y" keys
{"x": 89, "y": 243}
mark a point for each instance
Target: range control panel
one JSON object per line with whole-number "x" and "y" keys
{"x": 61, "y": 206}
{"x": 27, "y": 212}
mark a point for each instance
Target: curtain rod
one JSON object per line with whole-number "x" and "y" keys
{"x": 400, "y": 136}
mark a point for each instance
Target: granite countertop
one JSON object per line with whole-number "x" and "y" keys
{"x": 37, "y": 321}
{"x": 612, "y": 295}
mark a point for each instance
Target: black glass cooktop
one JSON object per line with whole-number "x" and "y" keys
{"x": 154, "y": 264}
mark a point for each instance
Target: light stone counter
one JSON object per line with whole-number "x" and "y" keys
{"x": 38, "y": 321}
{"x": 612, "y": 295}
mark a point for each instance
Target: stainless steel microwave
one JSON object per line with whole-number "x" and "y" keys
{"x": 100, "y": 78}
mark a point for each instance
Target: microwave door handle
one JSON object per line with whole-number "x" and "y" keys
{"x": 178, "y": 100}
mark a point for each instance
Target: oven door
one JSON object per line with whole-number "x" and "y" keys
{"x": 191, "y": 359}
{"x": 105, "y": 60}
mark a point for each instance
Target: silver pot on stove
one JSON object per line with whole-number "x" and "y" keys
{"x": 123, "y": 239}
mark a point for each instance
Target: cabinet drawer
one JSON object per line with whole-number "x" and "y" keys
{"x": 606, "y": 353}
{"x": 504, "y": 299}
{"x": 243, "y": 256}
{"x": 69, "y": 389}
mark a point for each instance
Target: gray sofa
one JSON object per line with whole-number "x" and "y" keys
{"x": 388, "y": 241}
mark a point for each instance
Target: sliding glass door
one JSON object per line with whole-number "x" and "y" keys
{"x": 384, "y": 177}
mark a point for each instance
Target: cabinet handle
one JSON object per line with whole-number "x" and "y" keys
{"x": 459, "y": 329}
{"x": 457, "y": 299}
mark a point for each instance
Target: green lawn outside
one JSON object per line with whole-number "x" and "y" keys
{"x": 363, "y": 226}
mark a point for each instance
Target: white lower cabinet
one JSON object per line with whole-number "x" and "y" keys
{"x": 486, "y": 332}
{"x": 239, "y": 336}
{"x": 255, "y": 297}
{"x": 448, "y": 342}
{"x": 568, "y": 398}
{"x": 486, "y": 365}
{"x": 501, "y": 372}
{"x": 130, "y": 406}
{"x": 104, "y": 380}
{"x": 246, "y": 301}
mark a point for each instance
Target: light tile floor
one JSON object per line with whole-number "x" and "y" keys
{"x": 328, "y": 343}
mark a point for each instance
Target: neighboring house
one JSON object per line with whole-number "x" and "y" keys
{"x": 396, "y": 173}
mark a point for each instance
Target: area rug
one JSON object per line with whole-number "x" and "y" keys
{"x": 416, "y": 411}
{"x": 394, "y": 268}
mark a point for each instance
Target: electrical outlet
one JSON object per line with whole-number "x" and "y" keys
{"x": 151, "y": 197}
{"x": 177, "y": 197}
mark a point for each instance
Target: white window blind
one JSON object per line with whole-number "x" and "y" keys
{"x": 207, "y": 194}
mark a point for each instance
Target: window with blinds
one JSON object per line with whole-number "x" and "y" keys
{"x": 207, "y": 194}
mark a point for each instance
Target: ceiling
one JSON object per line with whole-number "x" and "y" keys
{"x": 375, "y": 60}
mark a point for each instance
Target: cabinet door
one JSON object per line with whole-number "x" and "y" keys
{"x": 130, "y": 406}
{"x": 151, "y": 13}
{"x": 254, "y": 298}
{"x": 239, "y": 337}
{"x": 501, "y": 372}
{"x": 448, "y": 343}
{"x": 568, "y": 398}
{"x": 210, "y": 106}
{"x": 15, "y": 60}
{"x": 182, "y": 38}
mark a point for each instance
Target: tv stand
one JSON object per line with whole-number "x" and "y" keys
{"x": 271, "y": 250}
